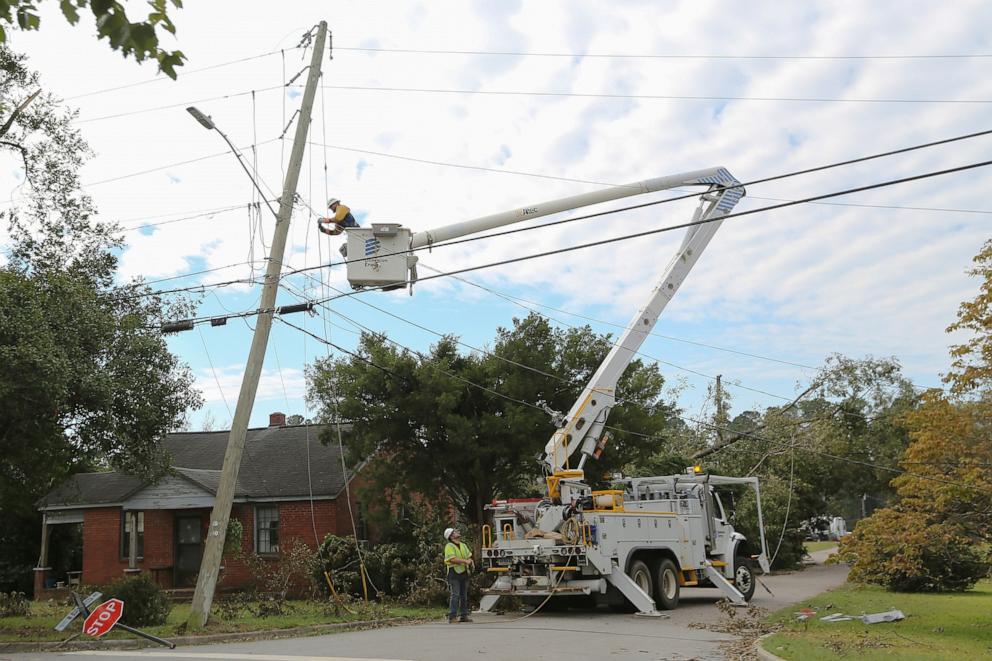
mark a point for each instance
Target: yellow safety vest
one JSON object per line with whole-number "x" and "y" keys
{"x": 460, "y": 551}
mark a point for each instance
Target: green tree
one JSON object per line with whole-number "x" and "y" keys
{"x": 88, "y": 380}
{"x": 139, "y": 39}
{"x": 433, "y": 433}
{"x": 937, "y": 536}
{"x": 971, "y": 368}
{"x": 802, "y": 452}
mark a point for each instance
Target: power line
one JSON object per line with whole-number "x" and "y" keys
{"x": 523, "y": 302}
{"x": 684, "y": 418}
{"x": 762, "y": 180}
{"x": 888, "y": 469}
{"x": 664, "y": 97}
{"x": 170, "y": 165}
{"x": 183, "y": 104}
{"x": 538, "y": 175}
{"x": 184, "y": 74}
{"x": 794, "y": 173}
{"x": 665, "y": 56}
{"x": 669, "y": 228}
{"x": 625, "y": 237}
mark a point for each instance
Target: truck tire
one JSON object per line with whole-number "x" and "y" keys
{"x": 667, "y": 582}
{"x": 641, "y": 574}
{"x": 744, "y": 579}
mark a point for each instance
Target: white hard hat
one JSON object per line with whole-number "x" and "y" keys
{"x": 333, "y": 200}
{"x": 448, "y": 532}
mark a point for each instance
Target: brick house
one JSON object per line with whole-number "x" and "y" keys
{"x": 290, "y": 487}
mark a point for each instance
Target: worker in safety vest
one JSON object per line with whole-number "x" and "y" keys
{"x": 339, "y": 221}
{"x": 458, "y": 561}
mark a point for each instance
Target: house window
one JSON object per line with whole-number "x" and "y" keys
{"x": 126, "y": 534}
{"x": 267, "y": 529}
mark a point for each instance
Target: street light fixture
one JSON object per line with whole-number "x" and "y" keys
{"x": 208, "y": 123}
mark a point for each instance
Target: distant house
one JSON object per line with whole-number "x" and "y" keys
{"x": 290, "y": 487}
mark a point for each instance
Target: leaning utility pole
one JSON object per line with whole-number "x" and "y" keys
{"x": 214, "y": 549}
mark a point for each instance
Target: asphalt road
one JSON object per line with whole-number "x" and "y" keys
{"x": 570, "y": 636}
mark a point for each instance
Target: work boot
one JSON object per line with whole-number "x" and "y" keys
{"x": 452, "y": 620}
{"x": 465, "y": 618}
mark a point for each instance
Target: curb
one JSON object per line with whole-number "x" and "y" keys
{"x": 764, "y": 654}
{"x": 242, "y": 636}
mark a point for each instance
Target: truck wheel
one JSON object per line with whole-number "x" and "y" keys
{"x": 667, "y": 596}
{"x": 640, "y": 574}
{"x": 744, "y": 579}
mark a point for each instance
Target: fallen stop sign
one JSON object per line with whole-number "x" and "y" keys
{"x": 103, "y": 618}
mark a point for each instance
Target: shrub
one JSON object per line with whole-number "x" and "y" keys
{"x": 144, "y": 602}
{"x": 908, "y": 551}
{"x": 14, "y": 604}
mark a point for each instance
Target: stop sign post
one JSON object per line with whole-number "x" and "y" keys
{"x": 103, "y": 618}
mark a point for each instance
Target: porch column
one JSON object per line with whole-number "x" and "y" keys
{"x": 41, "y": 571}
{"x": 43, "y": 555}
{"x": 132, "y": 550}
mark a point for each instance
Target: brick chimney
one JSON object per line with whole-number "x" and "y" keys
{"x": 277, "y": 419}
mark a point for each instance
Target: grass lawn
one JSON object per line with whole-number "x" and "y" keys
{"x": 937, "y": 626}
{"x": 812, "y": 547}
{"x": 38, "y": 626}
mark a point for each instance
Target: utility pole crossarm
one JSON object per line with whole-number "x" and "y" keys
{"x": 214, "y": 549}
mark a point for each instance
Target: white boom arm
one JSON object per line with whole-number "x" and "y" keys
{"x": 384, "y": 261}
{"x": 582, "y": 427}
{"x": 711, "y": 176}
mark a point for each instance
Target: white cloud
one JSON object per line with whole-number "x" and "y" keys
{"x": 803, "y": 281}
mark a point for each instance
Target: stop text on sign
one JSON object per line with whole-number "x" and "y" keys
{"x": 103, "y": 618}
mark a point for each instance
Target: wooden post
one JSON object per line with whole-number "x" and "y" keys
{"x": 213, "y": 550}
{"x": 43, "y": 555}
{"x": 132, "y": 546}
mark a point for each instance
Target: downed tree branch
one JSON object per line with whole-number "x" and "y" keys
{"x": 736, "y": 437}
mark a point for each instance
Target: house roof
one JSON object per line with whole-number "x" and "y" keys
{"x": 274, "y": 466}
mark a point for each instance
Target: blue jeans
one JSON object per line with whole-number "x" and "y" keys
{"x": 458, "y": 585}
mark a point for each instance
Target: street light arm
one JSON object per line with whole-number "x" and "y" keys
{"x": 208, "y": 123}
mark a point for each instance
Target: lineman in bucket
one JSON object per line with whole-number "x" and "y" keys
{"x": 339, "y": 221}
{"x": 458, "y": 563}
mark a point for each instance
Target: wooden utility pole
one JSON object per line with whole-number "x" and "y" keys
{"x": 719, "y": 409}
{"x": 214, "y": 549}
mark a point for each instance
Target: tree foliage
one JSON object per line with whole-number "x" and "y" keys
{"x": 88, "y": 380}
{"x": 139, "y": 39}
{"x": 802, "y": 452}
{"x": 971, "y": 368}
{"x": 435, "y": 433}
{"x": 938, "y": 535}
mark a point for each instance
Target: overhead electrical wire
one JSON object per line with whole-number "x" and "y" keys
{"x": 684, "y": 418}
{"x": 183, "y": 72}
{"x": 691, "y": 195}
{"x": 646, "y": 97}
{"x": 538, "y": 175}
{"x": 664, "y": 56}
{"x": 183, "y": 104}
{"x": 670, "y": 228}
{"x": 617, "y": 239}
{"x": 753, "y": 182}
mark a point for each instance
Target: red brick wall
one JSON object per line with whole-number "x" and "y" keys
{"x": 101, "y": 545}
{"x": 294, "y": 524}
{"x": 102, "y": 561}
{"x": 102, "y": 529}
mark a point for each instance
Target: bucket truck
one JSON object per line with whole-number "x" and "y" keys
{"x": 639, "y": 543}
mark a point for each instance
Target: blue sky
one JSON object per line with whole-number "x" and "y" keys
{"x": 793, "y": 285}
